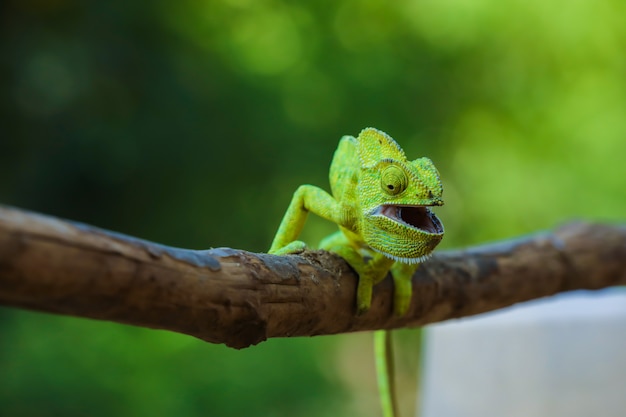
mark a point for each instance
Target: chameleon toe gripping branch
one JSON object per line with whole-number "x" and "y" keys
{"x": 380, "y": 201}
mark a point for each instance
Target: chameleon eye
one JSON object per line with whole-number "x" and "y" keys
{"x": 393, "y": 180}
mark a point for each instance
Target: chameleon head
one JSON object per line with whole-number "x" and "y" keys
{"x": 394, "y": 198}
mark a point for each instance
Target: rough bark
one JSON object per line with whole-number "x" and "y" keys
{"x": 241, "y": 298}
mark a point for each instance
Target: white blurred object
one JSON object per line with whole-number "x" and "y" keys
{"x": 563, "y": 356}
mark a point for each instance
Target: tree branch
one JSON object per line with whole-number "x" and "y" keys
{"x": 240, "y": 298}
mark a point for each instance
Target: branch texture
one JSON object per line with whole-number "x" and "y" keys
{"x": 241, "y": 298}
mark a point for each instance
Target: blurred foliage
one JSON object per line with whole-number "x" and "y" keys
{"x": 191, "y": 123}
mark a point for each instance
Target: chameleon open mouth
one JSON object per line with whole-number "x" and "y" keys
{"x": 417, "y": 217}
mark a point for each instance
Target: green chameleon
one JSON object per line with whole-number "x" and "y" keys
{"x": 380, "y": 202}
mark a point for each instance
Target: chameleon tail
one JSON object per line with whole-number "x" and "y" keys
{"x": 385, "y": 374}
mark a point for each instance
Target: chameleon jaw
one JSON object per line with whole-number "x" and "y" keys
{"x": 404, "y": 233}
{"x": 416, "y": 217}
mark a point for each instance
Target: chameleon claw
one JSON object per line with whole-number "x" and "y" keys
{"x": 362, "y": 309}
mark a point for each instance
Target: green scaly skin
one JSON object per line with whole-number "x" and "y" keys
{"x": 380, "y": 202}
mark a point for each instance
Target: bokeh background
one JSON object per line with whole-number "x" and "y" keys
{"x": 190, "y": 123}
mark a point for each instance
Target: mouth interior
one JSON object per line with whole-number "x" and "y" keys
{"x": 418, "y": 217}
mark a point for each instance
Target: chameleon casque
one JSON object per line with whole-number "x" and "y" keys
{"x": 380, "y": 201}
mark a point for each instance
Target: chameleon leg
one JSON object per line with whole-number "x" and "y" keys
{"x": 364, "y": 289}
{"x": 307, "y": 198}
{"x": 370, "y": 271}
{"x": 403, "y": 288}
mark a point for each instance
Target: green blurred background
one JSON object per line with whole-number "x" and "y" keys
{"x": 190, "y": 123}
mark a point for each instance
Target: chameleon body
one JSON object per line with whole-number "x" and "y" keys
{"x": 380, "y": 200}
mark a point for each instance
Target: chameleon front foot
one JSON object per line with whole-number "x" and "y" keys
{"x": 296, "y": 246}
{"x": 403, "y": 287}
{"x": 374, "y": 271}
{"x": 363, "y": 295}
{"x": 401, "y": 297}
{"x": 370, "y": 271}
